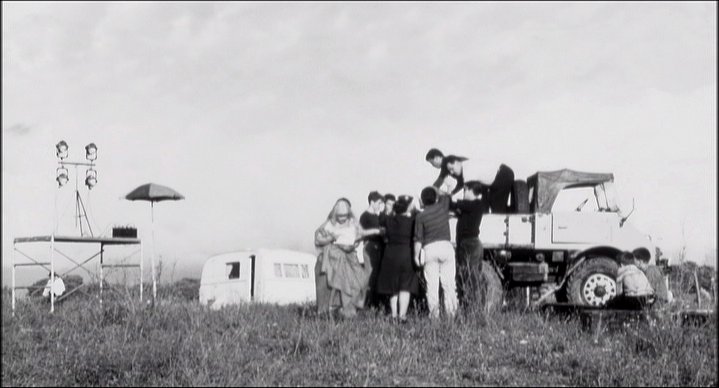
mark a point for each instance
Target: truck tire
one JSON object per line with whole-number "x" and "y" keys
{"x": 593, "y": 283}
{"x": 520, "y": 197}
{"x": 491, "y": 290}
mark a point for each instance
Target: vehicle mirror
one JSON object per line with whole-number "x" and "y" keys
{"x": 624, "y": 219}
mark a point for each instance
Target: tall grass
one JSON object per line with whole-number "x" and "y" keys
{"x": 178, "y": 342}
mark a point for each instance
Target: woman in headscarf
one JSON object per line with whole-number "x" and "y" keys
{"x": 339, "y": 274}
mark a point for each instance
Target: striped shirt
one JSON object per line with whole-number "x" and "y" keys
{"x": 433, "y": 223}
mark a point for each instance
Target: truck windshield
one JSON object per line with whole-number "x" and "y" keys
{"x": 574, "y": 199}
{"x": 610, "y": 195}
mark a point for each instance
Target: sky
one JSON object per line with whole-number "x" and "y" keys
{"x": 263, "y": 114}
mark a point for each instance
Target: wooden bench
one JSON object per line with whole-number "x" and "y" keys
{"x": 696, "y": 317}
{"x": 595, "y": 319}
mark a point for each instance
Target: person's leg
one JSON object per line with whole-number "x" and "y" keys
{"x": 322, "y": 290}
{"x": 403, "y": 304}
{"x": 373, "y": 253}
{"x": 349, "y": 309}
{"x": 447, "y": 274}
{"x": 393, "y": 305}
{"x": 463, "y": 274}
{"x": 431, "y": 276}
{"x": 475, "y": 254}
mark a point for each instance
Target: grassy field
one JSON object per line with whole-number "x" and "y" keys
{"x": 177, "y": 342}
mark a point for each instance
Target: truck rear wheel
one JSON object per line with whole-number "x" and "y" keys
{"x": 593, "y": 283}
{"x": 491, "y": 290}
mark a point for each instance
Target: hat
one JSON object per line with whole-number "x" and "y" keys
{"x": 433, "y": 153}
{"x": 402, "y": 204}
{"x": 405, "y": 198}
{"x": 449, "y": 159}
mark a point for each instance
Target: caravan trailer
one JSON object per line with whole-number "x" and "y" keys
{"x": 262, "y": 275}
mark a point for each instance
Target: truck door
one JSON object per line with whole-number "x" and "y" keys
{"x": 576, "y": 218}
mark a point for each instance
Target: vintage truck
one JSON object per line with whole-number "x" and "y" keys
{"x": 561, "y": 237}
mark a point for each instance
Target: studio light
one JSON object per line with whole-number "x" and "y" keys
{"x": 61, "y": 149}
{"x": 91, "y": 152}
{"x": 62, "y": 176}
{"x": 90, "y": 178}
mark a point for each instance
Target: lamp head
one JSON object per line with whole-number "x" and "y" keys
{"x": 90, "y": 178}
{"x": 91, "y": 152}
{"x": 62, "y": 176}
{"x": 61, "y": 149}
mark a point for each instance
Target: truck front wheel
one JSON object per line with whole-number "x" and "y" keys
{"x": 593, "y": 283}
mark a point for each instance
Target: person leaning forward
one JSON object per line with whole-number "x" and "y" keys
{"x": 445, "y": 178}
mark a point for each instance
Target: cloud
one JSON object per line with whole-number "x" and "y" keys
{"x": 18, "y": 129}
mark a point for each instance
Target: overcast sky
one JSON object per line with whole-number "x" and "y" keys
{"x": 262, "y": 114}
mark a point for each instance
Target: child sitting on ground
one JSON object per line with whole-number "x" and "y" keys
{"x": 654, "y": 275}
{"x": 633, "y": 289}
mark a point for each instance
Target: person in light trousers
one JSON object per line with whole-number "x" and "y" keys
{"x": 431, "y": 234}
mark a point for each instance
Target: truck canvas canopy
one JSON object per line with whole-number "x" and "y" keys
{"x": 545, "y": 185}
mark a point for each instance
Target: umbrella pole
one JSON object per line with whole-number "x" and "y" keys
{"x": 154, "y": 281}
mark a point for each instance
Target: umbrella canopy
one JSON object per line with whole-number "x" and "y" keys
{"x": 154, "y": 193}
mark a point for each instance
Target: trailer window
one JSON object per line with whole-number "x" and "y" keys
{"x": 305, "y": 271}
{"x": 278, "y": 270}
{"x": 232, "y": 270}
{"x": 292, "y": 270}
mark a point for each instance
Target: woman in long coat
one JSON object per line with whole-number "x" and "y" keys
{"x": 339, "y": 274}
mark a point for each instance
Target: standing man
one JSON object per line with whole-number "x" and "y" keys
{"x": 469, "y": 248}
{"x": 431, "y": 234}
{"x": 389, "y": 200}
{"x": 373, "y": 245}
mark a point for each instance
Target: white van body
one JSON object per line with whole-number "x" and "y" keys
{"x": 263, "y": 275}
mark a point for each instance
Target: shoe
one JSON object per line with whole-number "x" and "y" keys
{"x": 403, "y": 320}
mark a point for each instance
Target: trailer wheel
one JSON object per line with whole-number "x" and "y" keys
{"x": 491, "y": 290}
{"x": 594, "y": 282}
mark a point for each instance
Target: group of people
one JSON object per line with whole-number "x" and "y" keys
{"x": 639, "y": 284}
{"x": 407, "y": 247}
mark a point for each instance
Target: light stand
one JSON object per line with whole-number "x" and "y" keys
{"x": 90, "y": 181}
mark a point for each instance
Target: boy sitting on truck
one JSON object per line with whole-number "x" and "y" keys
{"x": 633, "y": 289}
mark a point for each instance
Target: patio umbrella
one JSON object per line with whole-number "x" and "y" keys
{"x": 152, "y": 192}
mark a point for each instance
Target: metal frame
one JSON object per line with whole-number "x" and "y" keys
{"x": 53, "y": 239}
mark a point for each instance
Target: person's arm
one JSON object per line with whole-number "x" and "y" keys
{"x": 361, "y": 233}
{"x": 418, "y": 236}
{"x": 459, "y": 185}
{"x": 323, "y": 237}
{"x": 463, "y": 204}
{"x": 443, "y": 172}
{"x": 620, "y": 284}
{"x": 417, "y": 256}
